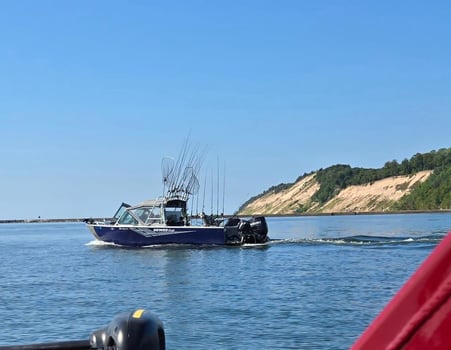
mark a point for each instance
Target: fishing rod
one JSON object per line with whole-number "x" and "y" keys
{"x": 223, "y": 189}
{"x": 217, "y": 188}
{"x": 212, "y": 192}
{"x": 197, "y": 204}
{"x": 139, "y": 329}
{"x": 182, "y": 180}
{"x": 167, "y": 166}
{"x": 205, "y": 187}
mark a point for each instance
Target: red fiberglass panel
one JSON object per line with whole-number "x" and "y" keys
{"x": 419, "y": 315}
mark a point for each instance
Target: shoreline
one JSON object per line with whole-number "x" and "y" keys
{"x": 437, "y": 211}
{"x": 29, "y": 221}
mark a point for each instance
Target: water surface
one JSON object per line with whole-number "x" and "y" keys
{"x": 316, "y": 285}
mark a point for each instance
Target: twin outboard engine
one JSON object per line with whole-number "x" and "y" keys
{"x": 240, "y": 231}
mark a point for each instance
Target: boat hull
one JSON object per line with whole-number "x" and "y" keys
{"x": 139, "y": 236}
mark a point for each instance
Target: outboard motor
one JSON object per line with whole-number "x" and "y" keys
{"x": 259, "y": 228}
{"x": 239, "y": 231}
{"x": 254, "y": 230}
{"x": 139, "y": 330}
{"x": 232, "y": 233}
{"x": 246, "y": 231}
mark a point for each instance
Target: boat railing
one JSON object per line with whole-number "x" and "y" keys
{"x": 153, "y": 221}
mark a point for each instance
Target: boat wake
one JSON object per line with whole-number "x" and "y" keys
{"x": 97, "y": 243}
{"x": 101, "y": 244}
{"x": 363, "y": 240}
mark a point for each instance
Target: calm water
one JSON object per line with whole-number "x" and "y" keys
{"x": 316, "y": 286}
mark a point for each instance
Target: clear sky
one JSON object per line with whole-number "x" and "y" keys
{"x": 93, "y": 94}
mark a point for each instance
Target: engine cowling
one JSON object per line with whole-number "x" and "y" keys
{"x": 239, "y": 231}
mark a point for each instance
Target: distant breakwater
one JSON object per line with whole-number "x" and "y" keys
{"x": 444, "y": 211}
{"x": 40, "y": 220}
{"x": 27, "y": 221}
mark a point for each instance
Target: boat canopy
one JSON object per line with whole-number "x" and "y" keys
{"x": 160, "y": 211}
{"x": 150, "y": 203}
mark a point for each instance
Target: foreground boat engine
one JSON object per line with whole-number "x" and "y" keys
{"x": 240, "y": 231}
{"x": 137, "y": 330}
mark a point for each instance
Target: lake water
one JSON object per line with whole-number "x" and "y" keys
{"x": 317, "y": 285}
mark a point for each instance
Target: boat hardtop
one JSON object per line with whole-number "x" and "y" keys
{"x": 160, "y": 211}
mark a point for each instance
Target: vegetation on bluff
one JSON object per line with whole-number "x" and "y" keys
{"x": 434, "y": 193}
{"x": 338, "y": 177}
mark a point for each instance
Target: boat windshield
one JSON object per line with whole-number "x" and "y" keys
{"x": 148, "y": 215}
{"x": 121, "y": 210}
{"x": 127, "y": 219}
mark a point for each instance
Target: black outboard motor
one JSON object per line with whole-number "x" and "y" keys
{"x": 238, "y": 231}
{"x": 259, "y": 228}
{"x": 254, "y": 230}
{"x": 232, "y": 233}
{"x": 139, "y": 330}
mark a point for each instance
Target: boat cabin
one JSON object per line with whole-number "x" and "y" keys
{"x": 153, "y": 212}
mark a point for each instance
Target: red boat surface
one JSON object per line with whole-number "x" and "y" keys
{"x": 419, "y": 315}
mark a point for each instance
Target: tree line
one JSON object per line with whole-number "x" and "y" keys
{"x": 338, "y": 177}
{"x": 434, "y": 193}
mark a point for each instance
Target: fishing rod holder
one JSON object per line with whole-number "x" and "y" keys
{"x": 139, "y": 329}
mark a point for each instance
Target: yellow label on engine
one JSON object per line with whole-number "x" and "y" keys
{"x": 138, "y": 313}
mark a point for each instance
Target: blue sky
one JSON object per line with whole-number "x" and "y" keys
{"x": 95, "y": 93}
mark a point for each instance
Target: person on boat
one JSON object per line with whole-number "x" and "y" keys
{"x": 209, "y": 220}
